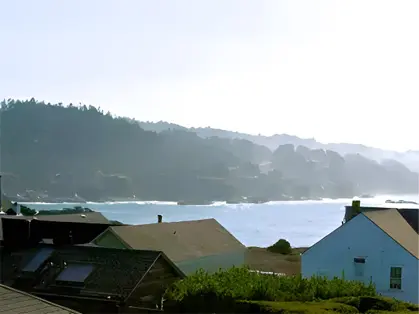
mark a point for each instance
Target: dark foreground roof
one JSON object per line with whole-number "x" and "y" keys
{"x": 87, "y": 272}
{"x": 13, "y": 301}
{"x": 93, "y": 217}
{"x": 89, "y": 218}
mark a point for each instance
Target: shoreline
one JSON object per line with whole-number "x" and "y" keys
{"x": 403, "y": 199}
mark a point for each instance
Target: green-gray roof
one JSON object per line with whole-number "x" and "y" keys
{"x": 13, "y": 301}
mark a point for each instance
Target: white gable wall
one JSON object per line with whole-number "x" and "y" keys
{"x": 334, "y": 256}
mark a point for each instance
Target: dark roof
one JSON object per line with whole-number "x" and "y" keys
{"x": 180, "y": 241}
{"x": 64, "y": 229}
{"x": 114, "y": 273}
{"x": 94, "y": 217}
{"x": 14, "y": 301}
{"x": 411, "y": 215}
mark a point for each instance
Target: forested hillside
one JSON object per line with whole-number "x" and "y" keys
{"x": 409, "y": 158}
{"x": 55, "y": 151}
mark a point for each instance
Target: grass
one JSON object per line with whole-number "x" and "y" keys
{"x": 296, "y": 307}
{"x": 263, "y": 260}
{"x": 376, "y": 305}
{"x": 239, "y": 291}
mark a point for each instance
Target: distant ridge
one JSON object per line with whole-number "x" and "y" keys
{"x": 409, "y": 158}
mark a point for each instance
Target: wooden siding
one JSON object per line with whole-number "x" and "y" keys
{"x": 109, "y": 240}
{"x": 152, "y": 287}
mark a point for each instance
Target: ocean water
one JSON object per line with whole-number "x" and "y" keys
{"x": 302, "y": 223}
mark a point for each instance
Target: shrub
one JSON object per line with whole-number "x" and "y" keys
{"x": 295, "y": 307}
{"x": 221, "y": 289}
{"x": 282, "y": 246}
{"x": 372, "y": 304}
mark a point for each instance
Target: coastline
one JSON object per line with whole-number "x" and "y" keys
{"x": 396, "y": 200}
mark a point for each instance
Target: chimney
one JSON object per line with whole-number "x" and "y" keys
{"x": 356, "y": 207}
{"x": 18, "y": 209}
{"x": 159, "y": 219}
{"x": 352, "y": 211}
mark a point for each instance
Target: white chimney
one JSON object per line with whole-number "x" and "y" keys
{"x": 18, "y": 213}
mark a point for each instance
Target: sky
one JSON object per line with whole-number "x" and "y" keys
{"x": 338, "y": 71}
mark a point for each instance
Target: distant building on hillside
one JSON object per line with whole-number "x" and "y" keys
{"x": 191, "y": 245}
{"x": 379, "y": 245}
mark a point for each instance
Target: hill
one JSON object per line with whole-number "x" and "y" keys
{"x": 409, "y": 158}
{"x": 56, "y": 152}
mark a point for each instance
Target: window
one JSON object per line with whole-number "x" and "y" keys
{"x": 359, "y": 265}
{"x": 359, "y": 270}
{"x": 40, "y": 257}
{"x": 76, "y": 273}
{"x": 396, "y": 278}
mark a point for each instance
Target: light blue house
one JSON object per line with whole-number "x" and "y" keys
{"x": 191, "y": 245}
{"x": 379, "y": 246}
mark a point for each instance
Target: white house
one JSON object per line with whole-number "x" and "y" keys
{"x": 379, "y": 246}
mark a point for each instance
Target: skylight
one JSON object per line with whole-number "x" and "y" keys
{"x": 77, "y": 273}
{"x": 40, "y": 258}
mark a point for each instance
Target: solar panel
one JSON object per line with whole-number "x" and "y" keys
{"x": 75, "y": 273}
{"x": 38, "y": 260}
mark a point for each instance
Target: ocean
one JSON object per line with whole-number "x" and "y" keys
{"x": 302, "y": 223}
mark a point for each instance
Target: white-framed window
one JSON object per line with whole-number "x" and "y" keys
{"x": 396, "y": 277}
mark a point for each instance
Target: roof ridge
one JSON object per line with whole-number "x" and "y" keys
{"x": 409, "y": 227}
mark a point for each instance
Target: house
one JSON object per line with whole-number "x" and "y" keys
{"x": 191, "y": 245}
{"x": 64, "y": 229}
{"x": 379, "y": 246}
{"x": 93, "y": 279}
{"x": 14, "y": 301}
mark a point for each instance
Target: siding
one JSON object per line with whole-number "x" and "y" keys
{"x": 334, "y": 255}
{"x": 213, "y": 263}
{"x": 109, "y": 240}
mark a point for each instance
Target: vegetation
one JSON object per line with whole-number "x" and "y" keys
{"x": 239, "y": 291}
{"x": 52, "y": 152}
{"x": 26, "y": 211}
{"x": 282, "y": 246}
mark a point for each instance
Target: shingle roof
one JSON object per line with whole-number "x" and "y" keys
{"x": 180, "y": 241}
{"x": 115, "y": 273}
{"x": 13, "y": 301}
{"x": 395, "y": 225}
{"x": 94, "y": 217}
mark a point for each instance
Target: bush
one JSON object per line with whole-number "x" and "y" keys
{"x": 374, "y": 304}
{"x": 282, "y": 246}
{"x": 295, "y": 307}
{"x": 220, "y": 290}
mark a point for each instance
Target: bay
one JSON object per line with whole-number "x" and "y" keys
{"x": 302, "y": 223}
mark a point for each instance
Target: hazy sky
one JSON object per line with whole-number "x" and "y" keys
{"x": 339, "y": 71}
